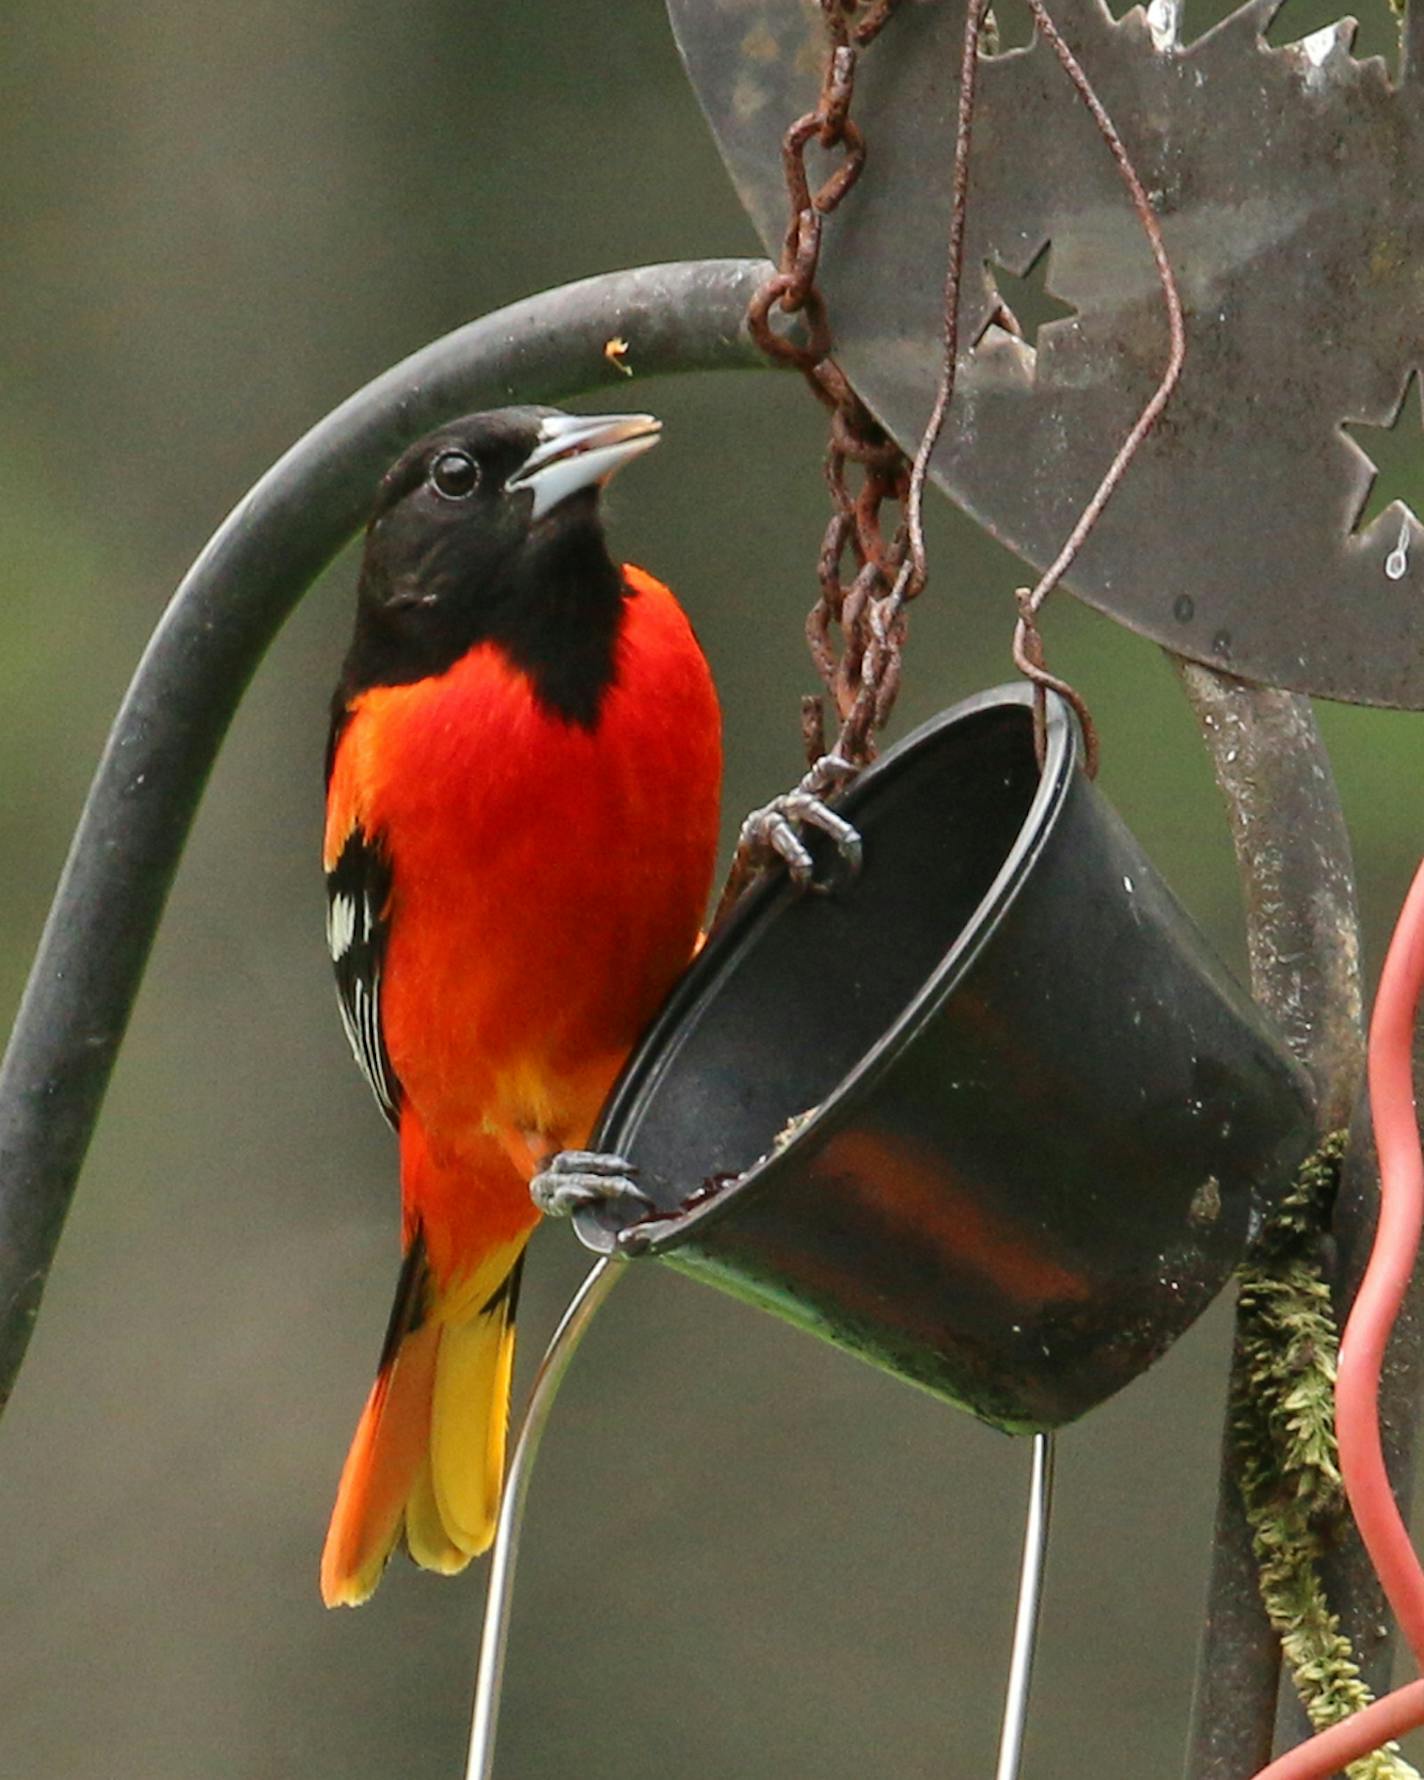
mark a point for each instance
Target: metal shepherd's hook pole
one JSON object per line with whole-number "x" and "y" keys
{"x": 1035, "y": 1551}
{"x": 494, "y": 1637}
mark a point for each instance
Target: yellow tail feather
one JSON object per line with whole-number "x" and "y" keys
{"x": 428, "y": 1456}
{"x": 425, "y": 1537}
{"x": 468, "y": 1423}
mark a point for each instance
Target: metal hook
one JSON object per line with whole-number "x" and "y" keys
{"x": 1035, "y": 1551}
{"x": 494, "y": 1637}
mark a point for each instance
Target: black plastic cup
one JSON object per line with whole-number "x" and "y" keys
{"x": 989, "y": 1114}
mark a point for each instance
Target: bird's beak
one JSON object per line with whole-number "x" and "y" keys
{"x": 581, "y": 451}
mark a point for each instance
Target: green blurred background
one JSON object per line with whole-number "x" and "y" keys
{"x": 746, "y": 1553}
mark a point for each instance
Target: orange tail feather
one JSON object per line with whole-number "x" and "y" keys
{"x": 382, "y": 1468}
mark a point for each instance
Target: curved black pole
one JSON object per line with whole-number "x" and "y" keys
{"x": 681, "y": 317}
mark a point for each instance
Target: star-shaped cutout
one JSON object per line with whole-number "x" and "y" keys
{"x": 1396, "y": 455}
{"x": 1025, "y": 302}
{"x": 1008, "y": 24}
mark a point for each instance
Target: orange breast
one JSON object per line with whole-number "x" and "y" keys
{"x": 548, "y": 881}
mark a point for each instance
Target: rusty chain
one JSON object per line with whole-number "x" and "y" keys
{"x": 863, "y": 677}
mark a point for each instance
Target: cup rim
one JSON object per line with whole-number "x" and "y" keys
{"x": 668, "y": 1231}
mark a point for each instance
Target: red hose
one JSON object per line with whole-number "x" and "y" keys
{"x": 1396, "y": 1244}
{"x": 1329, "y": 1751}
{"x": 1401, "y": 1212}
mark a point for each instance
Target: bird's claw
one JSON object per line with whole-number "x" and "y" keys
{"x": 573, "y": 1180}
{"x": 772, "y": 830}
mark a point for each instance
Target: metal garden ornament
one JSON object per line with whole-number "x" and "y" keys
{"x": 1286, "y": 181}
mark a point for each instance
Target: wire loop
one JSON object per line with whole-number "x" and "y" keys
{"x": 1029, "y": 660}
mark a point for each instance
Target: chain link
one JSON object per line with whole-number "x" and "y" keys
{"x": 864, "y": 466}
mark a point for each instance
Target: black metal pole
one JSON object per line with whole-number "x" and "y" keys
{"x": 1297, "y": 873}
{"x": 680, "y": 317}
{"x": 1303, "y": 936}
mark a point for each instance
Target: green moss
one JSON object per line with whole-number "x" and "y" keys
{"x": 1282, "y": 1412}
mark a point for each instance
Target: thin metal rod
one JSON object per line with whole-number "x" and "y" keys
{"x": 1177, "y": 347}
{"x": 230, "y": 605}
{"x": 915, "y": 564}
{"x": 494, "y": 1637}
{"x": 1035, "y": 1554}
{"x": 1028, "y": 651}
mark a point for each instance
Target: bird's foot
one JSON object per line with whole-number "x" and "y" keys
{"x": 576, "y": 1179}
{"x": 772, "y": 832}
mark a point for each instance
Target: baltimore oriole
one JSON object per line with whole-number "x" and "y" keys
{"x": 522, "y": 810}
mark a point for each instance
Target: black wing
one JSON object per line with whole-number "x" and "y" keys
{"x": 358, "y": 890}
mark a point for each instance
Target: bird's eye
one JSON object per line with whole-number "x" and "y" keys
{"x": 454, "y": 475}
